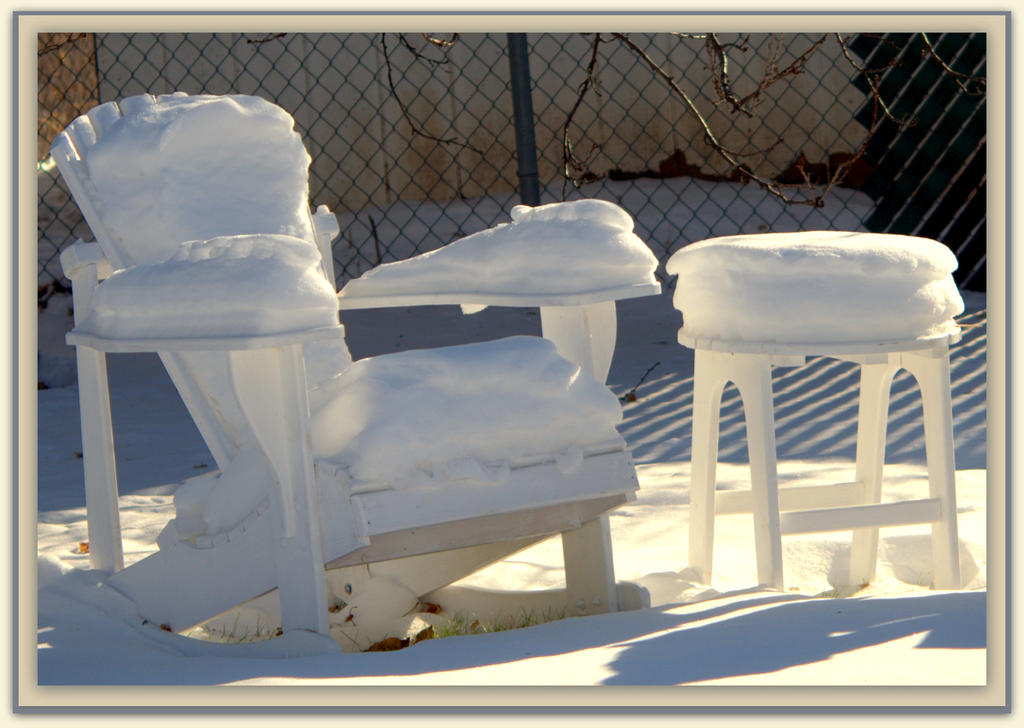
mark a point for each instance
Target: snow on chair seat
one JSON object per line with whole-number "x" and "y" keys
{"x": 179, "y": 189}
{"x": 461, "y": 413}
{"x": 885, "y": 302}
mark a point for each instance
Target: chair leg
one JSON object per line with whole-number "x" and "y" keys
{"x": 101, "y": 507}
{"x": 707, "y": 398}
{"x": 932, "y": 374}
{"x": 103, "y": 517}
{"x": 872, "y": 416}
{"x": 589, "y": 570}
{"x": 753, "y": 377}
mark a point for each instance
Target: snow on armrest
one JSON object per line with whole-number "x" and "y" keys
{"x": 325, "y": 224}
{"x": 565, "y": 253}
{"x": 81, "y": 254}
{"x": 233, "y": 286}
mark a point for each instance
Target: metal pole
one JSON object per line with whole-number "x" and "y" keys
{"x": 522, "y": 111}
{"x": 96, "y": 64}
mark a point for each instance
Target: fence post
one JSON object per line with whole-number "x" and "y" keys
{"x": 522, "y": 111}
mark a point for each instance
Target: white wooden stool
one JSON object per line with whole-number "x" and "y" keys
{"x": 750, "y": 302}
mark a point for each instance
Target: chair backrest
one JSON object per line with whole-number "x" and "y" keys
{"x": 152, "y": 172}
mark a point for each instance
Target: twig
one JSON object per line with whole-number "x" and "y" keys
{"x": 630, "y": 396}
{"x": 265, "y": 39}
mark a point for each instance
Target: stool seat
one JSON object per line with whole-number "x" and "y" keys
{"x": 857, "y": 350}
{"x": 815, "y": 287}
{"x": 886, "y": 302}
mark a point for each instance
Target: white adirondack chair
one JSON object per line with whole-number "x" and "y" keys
{"x": 248, "y": 392}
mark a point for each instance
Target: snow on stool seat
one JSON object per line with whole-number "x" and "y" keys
{"x": 815, "y": 287}
{"x": 886, "y": 302}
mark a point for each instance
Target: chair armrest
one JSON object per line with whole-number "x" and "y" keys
{"x": 80, "y": 254}
{"x": 113, "y": 345}
{"x": 325, "y": 230}
{"x": 477, "y": 300}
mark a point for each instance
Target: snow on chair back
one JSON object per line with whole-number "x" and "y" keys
{"x": 194, "y": 168}
{"x": 150, "y": 173}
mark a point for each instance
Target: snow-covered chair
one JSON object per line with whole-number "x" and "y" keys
{"x": 885, "y": 302}
{"x": 410, "y": 470}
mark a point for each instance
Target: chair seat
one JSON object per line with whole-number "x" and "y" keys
{"x": 409, "y": 421}
{"x": 461, "y": 412}
{"x": 815, "y": 287}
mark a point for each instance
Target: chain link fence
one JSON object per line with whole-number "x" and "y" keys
{"x": 413, "y": 138}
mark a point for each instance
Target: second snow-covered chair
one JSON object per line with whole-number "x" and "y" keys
{"x": 414, "y": 469}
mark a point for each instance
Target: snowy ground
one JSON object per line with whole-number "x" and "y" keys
{"x": 895, "y": 632}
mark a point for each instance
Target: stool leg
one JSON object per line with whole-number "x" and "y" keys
{"x": 707, "y": 398}
{"x": 753, "y": 377}
{"x": 872, "y": 416}
{"x": 932, "y": 374}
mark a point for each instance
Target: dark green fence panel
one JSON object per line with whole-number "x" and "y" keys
{"x": 929, "y": 177}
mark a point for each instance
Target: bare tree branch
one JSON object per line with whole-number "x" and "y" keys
{"x": 720, "y": 71}
{"x": 572, "y": 166}
{"x": 812, "y": 183}
{"x": 745, "y": 173}
{"x": 416, "y": 128}
{"x": 773, "y": 74}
